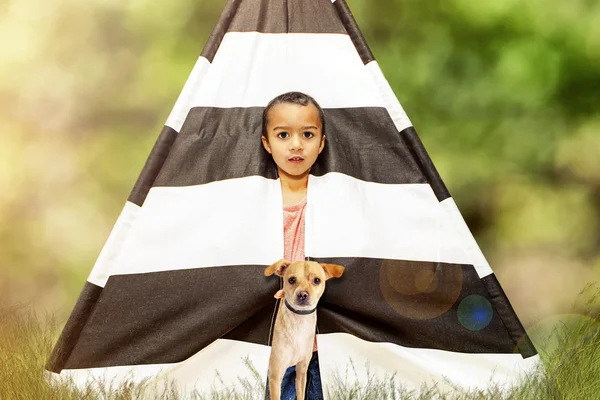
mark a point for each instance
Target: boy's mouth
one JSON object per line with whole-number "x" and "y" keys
{"x": 296, "y": 159}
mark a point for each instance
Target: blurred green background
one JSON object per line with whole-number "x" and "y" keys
{"x": 505, "y": 95}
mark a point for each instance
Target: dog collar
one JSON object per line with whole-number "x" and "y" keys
{"x": 301, "y": 312}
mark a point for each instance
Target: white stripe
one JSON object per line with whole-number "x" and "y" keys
{"x": 106, "y": 377}
{"x": 185, "y": 99}
{"x": 347, "y": 217}
{"x": 217, "y": 366}
{"x": 105, "y": 264}
{"x": 461, "y": 230}
{"x": 415, "y": 366}
{"x": 239, "y": 221}
{"x": 392, "y": 104}
{"x": 250, "y": 68}
{"x": 229, "y": 222}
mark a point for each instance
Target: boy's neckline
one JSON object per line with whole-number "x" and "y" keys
{"x": 295, "y": 205}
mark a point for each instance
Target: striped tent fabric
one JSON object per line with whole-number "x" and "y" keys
{"x": 178, "y": 290}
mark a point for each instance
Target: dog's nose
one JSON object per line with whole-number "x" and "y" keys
{"x": 302, "y": 296}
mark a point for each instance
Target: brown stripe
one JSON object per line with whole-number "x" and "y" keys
{"x": 168, "y": 316}
{"x": 72, "y": 330}
{"x": 416, "y": 304}
{"x": 286, "y": 16}
{"x": 224, "y": 143}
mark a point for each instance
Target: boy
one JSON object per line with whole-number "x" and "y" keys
{"x": 293, "y": 129}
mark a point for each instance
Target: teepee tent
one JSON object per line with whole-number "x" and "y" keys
{"x": 178, "y": 290}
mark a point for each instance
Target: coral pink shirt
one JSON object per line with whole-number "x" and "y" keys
{"x": 293, "y": 236}
{"x": 293, "y": 231}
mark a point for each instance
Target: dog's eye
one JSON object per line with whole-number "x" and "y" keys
{"x": 292, "y": 280}
{"x": 317, "y": 281}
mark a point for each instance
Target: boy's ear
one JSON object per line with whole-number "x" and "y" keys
{"x": 322, "y": 144}
{"x": 278, "y": 268}
{"x": 332, "y": 270}
{"x": 266, "y": 144}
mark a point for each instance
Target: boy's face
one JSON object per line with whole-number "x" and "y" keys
{"x": 295, "y": 137}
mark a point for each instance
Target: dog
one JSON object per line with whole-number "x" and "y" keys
{"x": 294, "y": 332}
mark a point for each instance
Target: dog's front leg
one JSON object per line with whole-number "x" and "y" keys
{"x": 275, "y": 378}
{"x": 301, "y": 370}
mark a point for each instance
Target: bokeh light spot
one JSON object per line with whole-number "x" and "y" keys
{"x": 420, "y": 290}
{"x": 475, "y": 312}
{"x": 426, "y": 281}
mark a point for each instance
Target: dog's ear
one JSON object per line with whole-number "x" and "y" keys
{"x": 278, "y": 268}
{"x": 332, "y": 270}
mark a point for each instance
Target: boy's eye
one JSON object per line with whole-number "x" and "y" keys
{"x": 282, "y": 135}
{"x": 308, "y": 134}
{"x": 292, "y": 280}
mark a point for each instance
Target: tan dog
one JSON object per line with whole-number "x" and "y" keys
{"x": 294, "y": 333}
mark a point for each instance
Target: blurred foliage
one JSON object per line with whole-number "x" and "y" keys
{"x": 505, "y": 95}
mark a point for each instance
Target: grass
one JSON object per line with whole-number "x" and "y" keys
{"x": 569, "y": 347}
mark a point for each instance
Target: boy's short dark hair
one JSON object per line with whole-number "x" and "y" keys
{"x": 293, "y": 98}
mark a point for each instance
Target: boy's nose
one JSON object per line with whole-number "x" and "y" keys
{"x": 295, "y": 144}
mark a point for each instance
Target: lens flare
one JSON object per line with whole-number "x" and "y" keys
{"x": 420, "y": 290}
{"x": 475, "y": 312}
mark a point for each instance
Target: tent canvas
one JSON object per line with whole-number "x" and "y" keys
{"x": 178, "y": 289}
